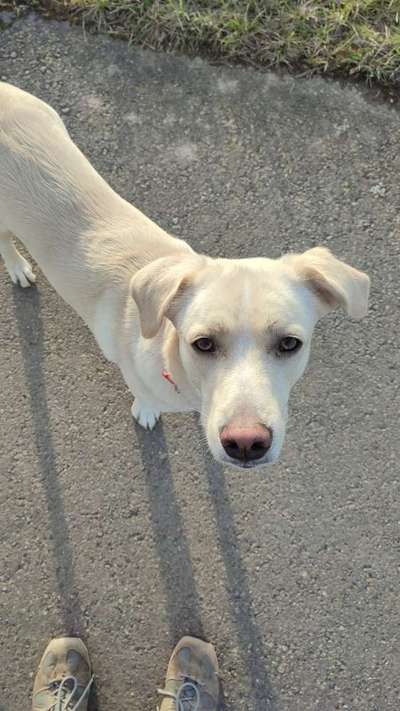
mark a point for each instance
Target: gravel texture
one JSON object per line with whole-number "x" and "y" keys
{"x": 133, "y": 539}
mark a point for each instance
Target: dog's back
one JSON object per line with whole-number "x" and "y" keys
{"x": 82, "y": 234}
{"x": 46, "y": 183}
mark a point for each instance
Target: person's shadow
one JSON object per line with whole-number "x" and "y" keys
{"x": 174, "y": 556}
{"x": 30, "y": 329}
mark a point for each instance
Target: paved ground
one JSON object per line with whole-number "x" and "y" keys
{"x": 133, "y": 539}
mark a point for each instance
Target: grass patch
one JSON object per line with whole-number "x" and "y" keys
{"x": 357, "y": 38}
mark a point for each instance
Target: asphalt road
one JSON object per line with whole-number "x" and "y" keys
{"x": 133, "y": 539}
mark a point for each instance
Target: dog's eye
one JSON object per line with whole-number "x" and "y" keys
{"x": 289, "y": 345}
{"x": 204, "y": 345}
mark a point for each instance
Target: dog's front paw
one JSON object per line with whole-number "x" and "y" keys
{"x": 20, "y": 271}
{"x": 144, "y": 415}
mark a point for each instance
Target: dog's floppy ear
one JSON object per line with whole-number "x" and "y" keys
{"x": 334, "y": 282}
{"x": 156, "y": 287}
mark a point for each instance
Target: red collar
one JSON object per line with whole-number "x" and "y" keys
{"x": 167, "y": 376}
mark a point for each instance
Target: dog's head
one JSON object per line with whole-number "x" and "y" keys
{"x": 244, "y": 330}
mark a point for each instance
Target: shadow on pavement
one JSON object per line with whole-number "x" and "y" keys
{"x": 30, "y": 329}
{"x": 250, "y": 639}
{"x": 182, "y": 601}
{"x": 176, "y": 568}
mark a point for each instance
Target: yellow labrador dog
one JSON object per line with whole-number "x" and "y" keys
{"x": 226, "y": 337}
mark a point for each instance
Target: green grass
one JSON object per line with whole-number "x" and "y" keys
{"x": 358, "y": 38}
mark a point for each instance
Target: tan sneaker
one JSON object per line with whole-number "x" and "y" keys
{"x": 192, "y": 682}
{"x": 64, "y": 677}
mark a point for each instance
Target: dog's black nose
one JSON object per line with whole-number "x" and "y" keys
{"x": 247, "y": 443}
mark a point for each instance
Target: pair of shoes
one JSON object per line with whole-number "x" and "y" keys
{"x": 64, "y": 677}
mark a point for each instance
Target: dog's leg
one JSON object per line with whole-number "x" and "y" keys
{"x": 18, "y": 268}
{"x": 145, "y": 414}
{"x": 144, "y": 410}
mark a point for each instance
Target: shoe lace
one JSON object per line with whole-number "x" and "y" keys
{"x": 63, "y": 692}
{"x": 187, "y": 698}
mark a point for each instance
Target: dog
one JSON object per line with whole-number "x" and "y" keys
{"x": 225, "y": 337}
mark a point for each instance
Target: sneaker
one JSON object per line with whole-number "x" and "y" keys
{"x": 64, "y": 677}
{"x": 192, "y": 682}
